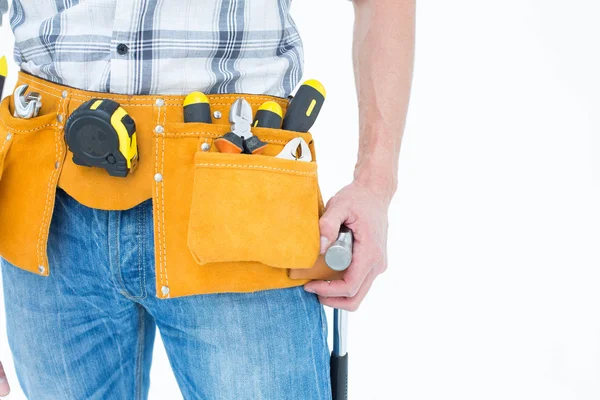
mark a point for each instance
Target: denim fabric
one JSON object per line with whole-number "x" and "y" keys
{"x": 86, "y": 332}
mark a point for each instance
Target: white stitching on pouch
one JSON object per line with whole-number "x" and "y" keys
{"x": 162, "y": 183}
{"x": 255, "y": 167}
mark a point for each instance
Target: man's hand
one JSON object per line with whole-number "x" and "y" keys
{"x": 4, "y": 386}
{"x": 383, "y": 52}
{"x": 366, "y": 214}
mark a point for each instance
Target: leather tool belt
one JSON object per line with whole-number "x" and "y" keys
{"x": 222, "y": 222}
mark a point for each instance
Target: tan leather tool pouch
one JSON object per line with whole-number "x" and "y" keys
{"x": 254, "y": 208}
{"x": 241, "y": 211}
{"x": 31, "y": 151}
{"x": 222, "y": 222}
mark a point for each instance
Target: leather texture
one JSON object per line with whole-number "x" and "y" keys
{"x": 30, "y": 152}
{"x": 319, "y": 271}
{"x": 256, "y": 208}
{"x": 222, "y": 222}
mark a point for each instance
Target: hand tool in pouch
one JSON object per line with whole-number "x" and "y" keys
{"x": 296, "y": 149}
{"x": 196, "y": 108}
{"x": 3, "y": 71}
{"x": 240, "y": 139}
{"x": 101, "y": 134}
{"x": 269, "y": 115}
{"x": 304, "y": 107}
{"x": 338, "y": 257}
{"x": 26, "y": 105}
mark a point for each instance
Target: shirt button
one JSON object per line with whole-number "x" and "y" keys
{"x": 122, "y": 49}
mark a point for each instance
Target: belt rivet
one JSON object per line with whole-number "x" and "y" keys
{"x": 205, "y": 147}
{"x": 9, "y": 136}
{"x": 56, "y": 165}
{"x": 160, "y": 102}
{"x": 165, "y": 290}
{"x": 158, "y": 177}
{"x": 217, "y": 114}
{"x": 59, "y": 117}
{"x": 65, "y": 94}
{"x": 159, "y": 129}
{"x": 41, "y": 269}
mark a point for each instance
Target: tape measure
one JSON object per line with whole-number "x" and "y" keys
{"x": 101, "y": 134}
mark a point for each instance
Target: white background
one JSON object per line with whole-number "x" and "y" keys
{"x": 493, "y": 286}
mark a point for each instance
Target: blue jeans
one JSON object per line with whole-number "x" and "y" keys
{"x": 87, "y": 331}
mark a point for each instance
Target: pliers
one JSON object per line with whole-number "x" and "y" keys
{"x": 296, "y": 149}
{"x": 240, "y": 139}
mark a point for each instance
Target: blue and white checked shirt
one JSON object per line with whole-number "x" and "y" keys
{"x": 160, "y": 46}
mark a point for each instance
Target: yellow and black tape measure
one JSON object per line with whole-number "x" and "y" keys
{"x": 101, "y": 134}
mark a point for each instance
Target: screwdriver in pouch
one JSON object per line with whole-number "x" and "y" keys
{"x": 304, "y": 108}
{"x": 3, "y": 73}
{"x": 269, "y": 115}
{"x": 196, "y": 108}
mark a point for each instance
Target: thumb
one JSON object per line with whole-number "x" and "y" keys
{"x": 4, "y": 386}
{"x": 330, "y": 223}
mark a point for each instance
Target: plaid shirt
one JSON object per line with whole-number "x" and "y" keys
{"x": 160, "y": 46}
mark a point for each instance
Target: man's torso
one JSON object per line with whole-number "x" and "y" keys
{"x": 160, "y": 46}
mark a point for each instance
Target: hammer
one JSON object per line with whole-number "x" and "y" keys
{"x": 338, "y": 257}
